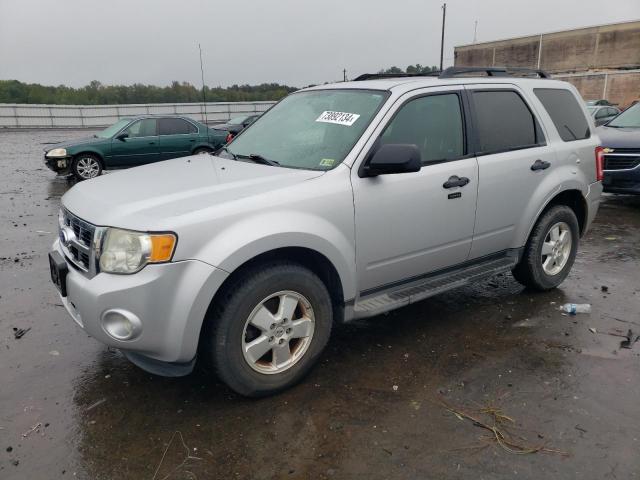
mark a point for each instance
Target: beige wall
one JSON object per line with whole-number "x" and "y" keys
{"x": 604, "y": 47}
{"x": 621, "y": 88}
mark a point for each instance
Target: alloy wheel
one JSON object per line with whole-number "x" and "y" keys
{"x": 556, "y": 248}
{"x": 278, "y": 332}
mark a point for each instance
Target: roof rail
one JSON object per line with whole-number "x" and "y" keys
{"x": 375, "y": 76}
{"x": 452, "y": 72}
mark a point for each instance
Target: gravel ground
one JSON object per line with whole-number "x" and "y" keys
{"x": 377, "y": 407}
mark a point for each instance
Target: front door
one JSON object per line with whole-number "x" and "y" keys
{"x": 411, "y": 224}
{"x": 514, "y": 158}
{"x": 139, "y": 146}
{"x": 177, "y": 137}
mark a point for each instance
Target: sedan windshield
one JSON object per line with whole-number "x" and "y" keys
{"x": 630, "y": 118}
{"x": 113, "y": 129}
{"x": 313, "y": 130}
{"x": 237, "y": 120}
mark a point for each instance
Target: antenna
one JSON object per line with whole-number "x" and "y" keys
{"x": 344, "y": 75}
{"x": 475, "y": 32}
{"x": 204, "y": 96}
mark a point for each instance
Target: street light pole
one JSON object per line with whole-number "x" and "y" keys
{"x": 444, "y": 14}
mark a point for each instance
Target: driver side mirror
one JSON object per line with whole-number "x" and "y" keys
{"x": 393, "y": 158}
{"x": 122, "y": 136}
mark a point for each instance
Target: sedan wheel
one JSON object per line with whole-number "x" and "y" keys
{"x": 86, "y": 167}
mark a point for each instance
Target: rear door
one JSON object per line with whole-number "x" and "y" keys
{"x": 177, "y": 137}
{"x": 513, "y": 161}
{"x": 410, "y": 224}
{"x": 140, "y": 145}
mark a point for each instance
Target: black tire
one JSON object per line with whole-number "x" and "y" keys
{"x": 529, "y": 271}
{"x": 202, "y": 151}
{"x": 86, "y": 166}
{"x": 224, "y": 331}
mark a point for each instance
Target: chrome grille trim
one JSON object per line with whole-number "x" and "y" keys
{"x": 620, "y": 161}
{"x": 77, "y": 240}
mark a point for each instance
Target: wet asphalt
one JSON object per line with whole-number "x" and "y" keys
{"x": 378, "y": 406}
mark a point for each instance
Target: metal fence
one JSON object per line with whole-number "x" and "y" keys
{"x": 95, "y": 116}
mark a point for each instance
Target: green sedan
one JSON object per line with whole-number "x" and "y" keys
{"x": 133, "y": 141}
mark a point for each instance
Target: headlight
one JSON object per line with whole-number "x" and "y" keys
{"x": 125, "y": 251}
{"x": 57, "y": 152}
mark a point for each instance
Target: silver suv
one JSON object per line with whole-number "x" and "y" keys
{"x": 343, "y": 201}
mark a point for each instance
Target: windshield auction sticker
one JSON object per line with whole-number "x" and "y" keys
{"x": 339, "y": 118}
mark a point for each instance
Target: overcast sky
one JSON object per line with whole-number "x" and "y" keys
{"x": 297, "y": 42}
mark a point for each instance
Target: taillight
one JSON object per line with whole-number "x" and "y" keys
{"x": 229, "y": 137}
{"x": 599, "y": 164}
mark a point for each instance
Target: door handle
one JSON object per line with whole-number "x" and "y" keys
{"x": 152, "y": 143}
{"x": 192, "y": 139}
{"x": 540, "y": 165}
{"x": 455, "y": 181}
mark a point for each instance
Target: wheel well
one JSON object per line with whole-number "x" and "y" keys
{"x": 574, "y": 200}
{"x": 314, "y": 261}
{"x": 94, "y": 154}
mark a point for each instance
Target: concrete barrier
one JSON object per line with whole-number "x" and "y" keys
{"x": 97, "y": 116}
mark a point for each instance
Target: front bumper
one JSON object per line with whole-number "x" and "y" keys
{"x": 170, "y": 300}
{"x": 58, "y": 165}
{"x": 622, "y": 181}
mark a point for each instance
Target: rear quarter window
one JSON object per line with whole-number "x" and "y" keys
{"x": 565, "y": 112}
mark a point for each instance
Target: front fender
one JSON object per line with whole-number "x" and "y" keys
{"x": 264, "y": 232}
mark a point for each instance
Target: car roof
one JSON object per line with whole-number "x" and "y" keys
{"x": 404, "y": 84}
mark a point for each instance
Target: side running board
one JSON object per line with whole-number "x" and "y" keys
{"x": 377, "y": 303}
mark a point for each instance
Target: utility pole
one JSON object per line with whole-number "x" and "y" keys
{"x": 204, "y": 97}
{"x": 475, "y": 32}
{"x": 344, "y": 75}
{"x": 444, "y": 14}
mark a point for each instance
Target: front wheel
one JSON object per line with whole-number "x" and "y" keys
{"x": 550, "y": 250}
{"x": 202, "y": 151}
{"x": 269, "y": 329}
{"x": 86, "y": 166}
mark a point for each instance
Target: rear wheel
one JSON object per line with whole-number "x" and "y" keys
{"x": 202, "y": 151}
{"x": 86, "y": 166}
{"x": 269, "y": 329}
{"x": 550, "y": 250}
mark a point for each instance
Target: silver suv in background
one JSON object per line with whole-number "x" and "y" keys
{"x": 343, "y": 201}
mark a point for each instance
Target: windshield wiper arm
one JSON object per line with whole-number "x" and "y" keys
{"x": 233, "y": 155}
{"x": 260, "y": 159}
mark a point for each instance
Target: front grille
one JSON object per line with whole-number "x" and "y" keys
{"x": 613, "y": 161}
{"x": 78, "y": 246}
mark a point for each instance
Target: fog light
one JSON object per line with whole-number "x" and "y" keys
{"x": 121, "y": 324}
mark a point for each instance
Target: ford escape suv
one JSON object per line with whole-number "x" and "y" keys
{"x": 342, "y": 201}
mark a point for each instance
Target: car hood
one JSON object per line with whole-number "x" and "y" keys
{"x": 619, "y": 137}
{"x": 151, "y": 197}
{"x": 73, "y": 143}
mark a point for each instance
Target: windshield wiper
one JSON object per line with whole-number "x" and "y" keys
{"x": 233, "y": 155}
{"x": 259, "y": 159}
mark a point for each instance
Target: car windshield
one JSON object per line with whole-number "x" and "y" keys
{"x": 313, "y": 130}
{"x": 237, "y": 120}
{"x": 630, "y": 118}
{"x": 113, "y": 129}
{"x": 592, "y": 109}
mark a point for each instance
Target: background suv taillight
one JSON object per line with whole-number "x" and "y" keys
{"x": 599, "y": 164}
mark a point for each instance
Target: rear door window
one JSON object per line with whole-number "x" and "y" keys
{"x": 175, "y": 126}
{"x": 504, "y": 122}
{"x": 566, "y": 113}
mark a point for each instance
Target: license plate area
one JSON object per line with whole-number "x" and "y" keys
{"x": 58, "y": 268}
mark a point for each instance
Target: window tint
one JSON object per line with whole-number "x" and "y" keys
{"x": 433, "y": 123}
{"x": 175, "y": 126}
{"x": 504, "y": 122}
{"x": 142, "y": 128}
{"x": 564, "y": 110}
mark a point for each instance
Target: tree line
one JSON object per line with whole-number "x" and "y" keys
{"x": 14, "y": 91}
